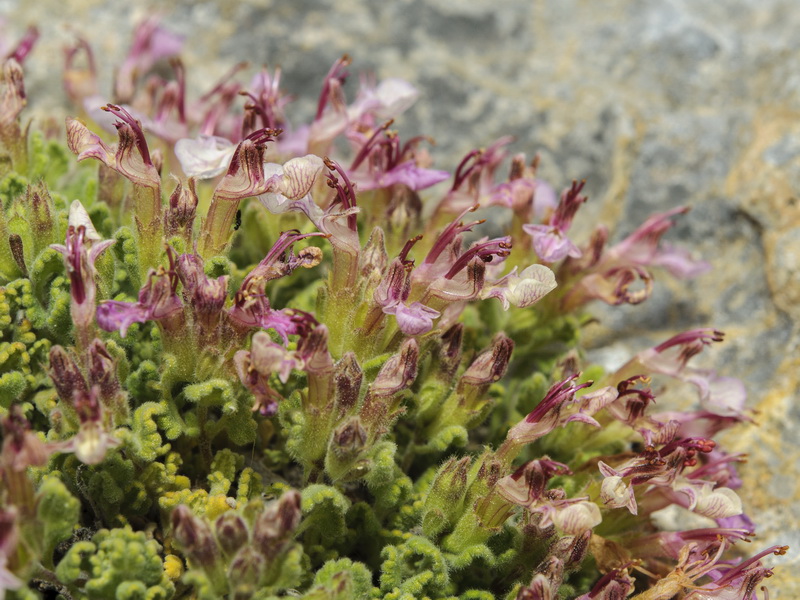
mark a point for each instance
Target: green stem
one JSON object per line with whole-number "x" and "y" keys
{"x": 147, "y": 211}
{"x": 217, "y": 226}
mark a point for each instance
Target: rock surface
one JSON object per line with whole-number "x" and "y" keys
{"x": 655, "y": 103}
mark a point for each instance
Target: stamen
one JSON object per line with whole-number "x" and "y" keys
{"x": 368, "y": 145}
{"x": 407, "y": 247}
{"x": 347, "y": 194}
{"x": 337, "y": 72}
{"x": 485, "y": 252}
{"x": 450, "y": 232}
{"x": 127, "y": 118}
{"x": 462, "y": 171}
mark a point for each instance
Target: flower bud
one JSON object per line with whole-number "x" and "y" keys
{"x": 347, "y": 379}
{"x": 40, "y": 205}
{"x": 232, "y": 532}
{"x": 275, "y": 526}
{"x": 13, "y": 98}
{"x": 244, "y": 572}
{"x": 449, "y": 353}
{"x": 491, "y": 365}
{"x": 21, "y": 447}
{"x": 528, "y": 483}
{"x": 349, "y": 439}
{"x": 571, "y": 550}
{"x": 398, "y": 372}
{"x": 373, "y": 256}
{"x": 18, "y": 252}
{"x": 181, "y": 211}
{"x": 67, "y": 377}
{"x": 313, "y": 351}
{"x": 103, "y": 370}
{"x": 443, "y": 502}
{"x": 194, "y": 536}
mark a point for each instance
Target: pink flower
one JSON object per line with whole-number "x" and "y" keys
{"x": 265, "y": 101}
{"x": 251, "y": 306}
{"x": 92, "y": 441}
{"x": 266, "y": 399}
{"x": 473, "y": 179}
{"x": 614, "y": 585}
{"x": 130, "y": 157}
{"x": 157, "y": 302}
{"x": 21, "y": 449}
{"x": 267, "y": 357}
{"x": 205, "y": 295}
{"x": 23, "y": 46}
{"x": 734, "y": 582}
{"x": 82, "y": 248}
{"x": 527, "y": 485}
{"x": 527, "y": 196}
{"x": 550, "y": 241}
{"x": 392, "y": 293}
{"x": 723, "y": 396}
{"x": 551, "y": 413}
{"x": 643, "y": 248}
{"x": 612, "y": 275}
{"x": 381, "y": 162}
{"x": 151, "y": 43}
{"x": 331, "y": 118}
{"x": 615, "y": 492}
{"x": 245, "y": 176}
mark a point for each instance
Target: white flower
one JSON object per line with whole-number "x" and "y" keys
{"x": 204, "y": 157}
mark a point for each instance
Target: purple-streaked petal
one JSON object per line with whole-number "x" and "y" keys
{"x": 85, "y": 144}
{"x": 299, "y": 175}
{"x": 522, "y": 290}
{"x": 719, "y": 503}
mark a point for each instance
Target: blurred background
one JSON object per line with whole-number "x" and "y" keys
{"x": 656, "y": 103}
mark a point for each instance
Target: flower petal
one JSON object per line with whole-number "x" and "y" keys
{"x": 204, "y": 157}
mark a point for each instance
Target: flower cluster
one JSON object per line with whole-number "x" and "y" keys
{"x": 331, "y": 384}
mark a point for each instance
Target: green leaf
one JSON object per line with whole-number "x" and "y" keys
{"x": 58, "y": 511}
